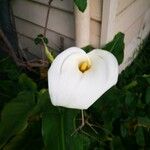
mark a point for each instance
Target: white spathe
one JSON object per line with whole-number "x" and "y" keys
{"x": 69, "y": 87}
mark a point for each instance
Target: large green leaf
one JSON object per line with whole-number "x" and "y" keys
{"x": 43, "y": 102}
{"x": 8, "y": 69}
{"x": 57, "y": 126}
{"x": 57, "y": 129}
{"x": 88, "y": 48}
{"x": 140, "y": 136}
{"x": 27, "y": 83}
{"x": 8, "y": 90}
{"x": 29, "y": 139}
{"x": 144, "y": 121}
{"x": 14, "y": 116}
{"x": 81, "y": 4}
{"x": 116, "y": 47}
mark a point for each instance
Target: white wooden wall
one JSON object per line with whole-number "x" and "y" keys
{"x": 131, "y": 17}
{"x": 30, "y": 19}
{"x": 107, "y": 17}
{"x": 95, "y": 24}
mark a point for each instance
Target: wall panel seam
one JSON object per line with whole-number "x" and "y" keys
{"x": 43, "y": 27}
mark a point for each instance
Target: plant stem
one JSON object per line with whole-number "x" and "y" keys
{"x": 47, "y": 17}
{"x": 48, "y": 53}
{"x": 83, "y": 121}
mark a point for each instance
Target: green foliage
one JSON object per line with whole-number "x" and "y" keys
{"x": 26, "y": 83}
{"x": 39, "y": 38}
{"x": 15, "y": 115}
{"x": 119, "y": 120}
{"x": 116, "y": 47}
{"x": 147, "y": 95}
{"x": 28, "y": 139}
{"x": 140, "y": 66}
{"x": 140, "y": 137}
{"x": 9, "y": 74}
{"x": 57, "y": 126}
{"x": 88, "y": 48}
{"x": 81, "y": 4}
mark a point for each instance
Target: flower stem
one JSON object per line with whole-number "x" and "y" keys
{"x": 82, "y": 114}
{"x": 48, "y": 53}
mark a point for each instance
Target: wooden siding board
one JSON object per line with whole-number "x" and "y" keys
{"x": 123, "y": 4}
{"x": 95, "y": 33}
{"x": 28, "y": 10}
{"x": 28, "y": 44}
{"x": 134, "y": 31}
{"x": 129, "y": 53}
{"x": 65, "y": 4}
{"x": 96, "y": 9}
{"x": 28, "y": 28}
{"x": 130, "y": 15}
{"x": 146, "y": 24}
{"x": 42, "y": 1}
{"x": 134, "y": 36}
{"x": 108, "y": 20}
{"x": 62, "y": 22}
{"x": 54, "y": 41}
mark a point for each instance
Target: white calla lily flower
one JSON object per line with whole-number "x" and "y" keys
{"x": 76, "y": 79}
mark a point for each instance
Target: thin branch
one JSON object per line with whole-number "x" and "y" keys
{"x": 47, "y": 17}
{"x": 8, "y": 44}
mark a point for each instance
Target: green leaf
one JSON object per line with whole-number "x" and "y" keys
{"x": 57, "y": 127}
{"x": 108, "y": 106}
{"x": 8, "y": 90}
{"x": 129, "y": 98}
{"x": 37, "y": 41}
{"x": 140, "y": 136}
{"x": 147, "y": 77}
{"x": 29, "y": 139}
{"x": 116, "y": 47}
{"x": 39, "y": 38}
{"x": 43, "y": 102}
{"x": 9, "y": 69}
{"x": 130, "y": 102}
{"x": 124, "y": 131}
{"x": 27, "y": 83}
{"x": 45, "y": 40}
{"x": 88, "y": 48}
{"x": 14, "y": 116}
{"x": 144, "y": 121}
{"x": 81, "y": 4}
{"x": 147, "y": 96}
{"x": 117, "y": 144}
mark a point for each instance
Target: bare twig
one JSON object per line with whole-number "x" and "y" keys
{"x": 46, "y": 23}
{"x": 8, "y": 44}
{"x": 47, "y": 17}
